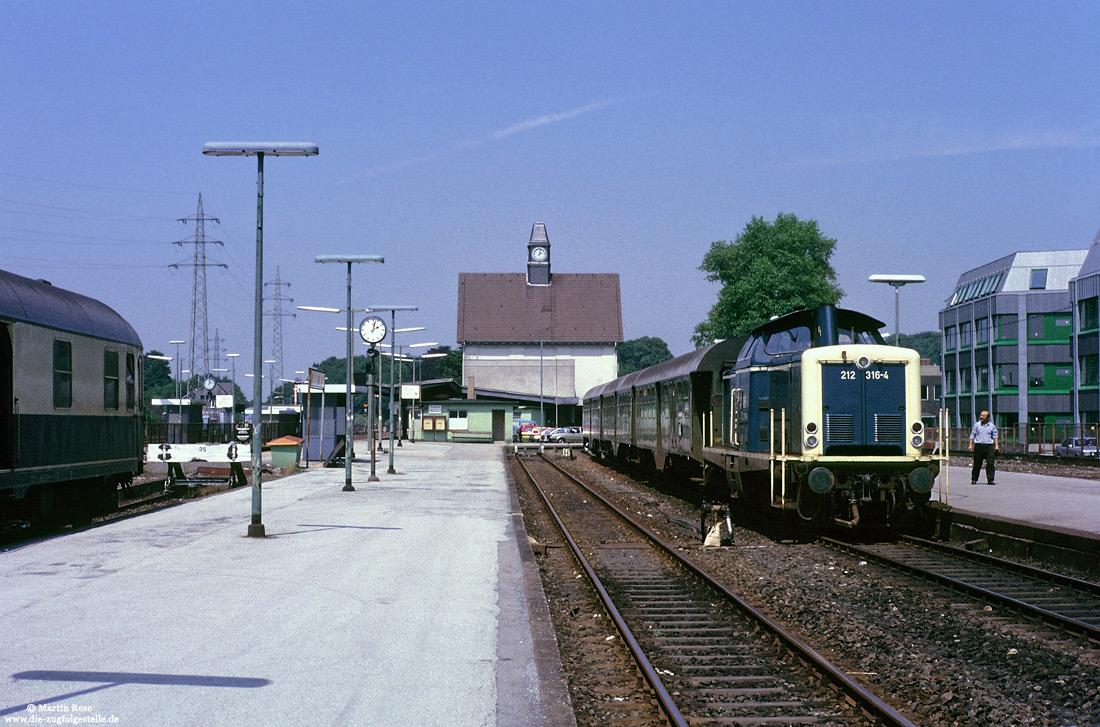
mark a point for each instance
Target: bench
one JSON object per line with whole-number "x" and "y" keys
{"x": 481, "y": 437}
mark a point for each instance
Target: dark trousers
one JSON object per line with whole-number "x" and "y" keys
{"x": 983, "y": 453}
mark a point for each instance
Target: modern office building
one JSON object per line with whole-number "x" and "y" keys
{"x": 1008, "y": 335}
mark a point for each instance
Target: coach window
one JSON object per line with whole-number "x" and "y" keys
{"x": 131, "y": 380}
{"x": 62, "y": 374}
{"x": 110, "y": 379}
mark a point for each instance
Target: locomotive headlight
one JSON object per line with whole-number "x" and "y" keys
{"x": 917, "y": 441}
{"x": 917, "y": 427}
{"x": 811, "y": 442}
{"x": 863, "y": 362}
{"x": 811, "y": 427}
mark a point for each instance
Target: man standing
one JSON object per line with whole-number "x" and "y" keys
{"x": 983, "y": 443}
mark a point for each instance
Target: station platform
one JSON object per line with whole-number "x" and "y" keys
{"x": 414, "y": 600}
{"x": 1064, "y": 503}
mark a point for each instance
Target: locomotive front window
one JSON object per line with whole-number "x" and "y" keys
{"x": 788, "y": 341}
{"x": 62, "y": 374}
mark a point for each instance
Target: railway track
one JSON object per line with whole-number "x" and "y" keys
{"x": 709, "y": 657}
{"x": 1069, "y": 603}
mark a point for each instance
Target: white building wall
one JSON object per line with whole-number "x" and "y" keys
{"x": 567, "y": 371}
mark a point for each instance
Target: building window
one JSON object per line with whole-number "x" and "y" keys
{"x": 1006, "y": 376}
{"x": 1035, "y": 326}
{"x": 949, "y": 378}
{"x": 930, "y": 392}
{"x": 981, "y": 331}
{"x": 458, "y": 419}
{"x": 131, "y": 381}
{"x": 1090, "y": 370}
{"x": 1039, "y": 279}
{"x": 949, "y": 338}
{"x": 1036, "y": 375}
{"x": 1088, "y": 311}
{"x": 110, "y": 379}
{"x": 62, "y": 374}
{"x": 1006, "y": 327}
{"x": 964, "y": 381}
{"x": 964, "y": 334}
{"x": 983, "y": 378}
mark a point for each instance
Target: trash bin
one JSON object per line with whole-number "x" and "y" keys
{"x": 286, "y": 452}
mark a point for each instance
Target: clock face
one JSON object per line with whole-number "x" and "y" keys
{"x": 538, "y": 254}
{"x": 373, "y": 329}
{"x": 208, "y": 384}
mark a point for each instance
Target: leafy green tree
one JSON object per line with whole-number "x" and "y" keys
{"x": 638, "y": 353}
{"x": 926, "y": 343}
{"x": 157, "y": 382}
{"x": 770, "y": 269}
{"x": 450, "y": 365}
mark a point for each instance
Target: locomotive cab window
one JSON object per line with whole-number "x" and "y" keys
{"x": 62, "y": 374}
{"x": 788, "y": 341}
{"x": 110, "y": 379}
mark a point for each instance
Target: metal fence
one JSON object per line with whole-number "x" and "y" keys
{"x": 175, "y": 433}
{"x": 1033, "y": 438}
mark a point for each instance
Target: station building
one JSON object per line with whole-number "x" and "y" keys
{"x": 542, "y": 335}
{"x": 1021, "y": 338}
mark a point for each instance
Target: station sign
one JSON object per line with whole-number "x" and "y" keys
{"x": 410, "y": 391}
{"x": 201, "y": 452}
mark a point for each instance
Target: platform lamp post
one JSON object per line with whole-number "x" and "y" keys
{"x": 179, "y": 373}
{"x": 258, "y": 149}
{"x": 412, "y": 436}
{"x": 400, "y": 354}
{"x": 393, "y": 347}
{"x": 349, "y": 428}
{"x": 896, "y": 281}
{"x": 233, "y": 365}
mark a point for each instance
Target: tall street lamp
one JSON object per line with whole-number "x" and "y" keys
{"x": 179, "y": 373}
{"x": 896, "y": 281}
{"x": 349, "y": 424}
{"x": 233, "y": 357}
{"x": 393, "y": 347}
{"x": 259, "y": 150}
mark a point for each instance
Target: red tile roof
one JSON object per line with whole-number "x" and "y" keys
{"x": 503, "y": 308}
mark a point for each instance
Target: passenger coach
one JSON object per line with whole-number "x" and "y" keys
{"x": 70, "y": 402}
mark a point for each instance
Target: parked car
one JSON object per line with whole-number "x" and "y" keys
{"x": 565, "y": 434}
{"x": 530, "y": 432}
{"x": 1076, "y": 447}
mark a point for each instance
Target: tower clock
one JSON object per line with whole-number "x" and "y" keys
{"x": 538, "y": 256}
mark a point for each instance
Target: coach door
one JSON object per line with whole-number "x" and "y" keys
{"x": 8, "y": 424}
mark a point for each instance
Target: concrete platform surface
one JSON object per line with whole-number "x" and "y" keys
{"x": 403, "y": 603}
{"x": 1062, "y": 502}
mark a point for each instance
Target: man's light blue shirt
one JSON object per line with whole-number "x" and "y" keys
{"x": 983, "y": 433}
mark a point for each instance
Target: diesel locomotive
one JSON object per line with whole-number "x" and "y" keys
{"x": 811, "y": 416}
{"x": 70, "y": 403}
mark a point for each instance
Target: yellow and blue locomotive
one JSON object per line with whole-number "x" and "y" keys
{"x": 812, "y": 415}
{"x": 824, "y": 419}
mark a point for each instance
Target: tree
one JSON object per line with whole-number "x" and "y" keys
{"x": 926, "y": 343}
{"x": 639, "y": 353}
{"x": 450, "y": 365}
{"x": 770, "y": 269}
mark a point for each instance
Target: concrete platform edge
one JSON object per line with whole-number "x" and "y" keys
{"x": 557, "y": 707}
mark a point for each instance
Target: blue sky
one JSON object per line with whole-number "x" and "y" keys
{"x": 925, "y": 137}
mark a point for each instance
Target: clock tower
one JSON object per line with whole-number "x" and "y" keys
{"x": 538, "y": 256}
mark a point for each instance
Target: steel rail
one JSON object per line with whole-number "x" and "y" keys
{"x": 668, "y": 706}
{"x": 855, "y": 692}
{"x": 1070, "y": 624}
